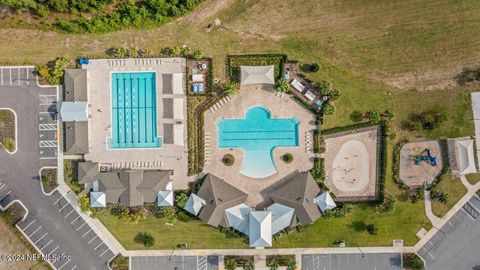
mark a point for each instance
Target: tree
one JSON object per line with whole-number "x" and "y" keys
{"x": 325, "y": 88}
{"x": 282, "y": 86}
{"x": 145, "y": 239}
{"x": 170, "y": 215}
{"x": 314, "y": 67}
{"x": 356, "y": 116}
{"x": 185, "y": 51}
{"x": 328, "y": 109}
{"x": 390, "y": 114}
{"x": 230, "y": 264}
{"x": 372, "y": 229}
{"x": 374, "y": 116}
{"x": 181, "y": 199}
{"x": 443, "y": 197}
{"x": 230, "y": 88}
{"x": 176, "y": 51}
{"x": 412, "y": 261}
{"x": 43, "y": 72}
{"x": 273, "y": 264}
{"x": 133, "y": 52}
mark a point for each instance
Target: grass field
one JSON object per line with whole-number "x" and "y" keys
{"x": 473, "y": 178}
{"x": 455, "y": 190}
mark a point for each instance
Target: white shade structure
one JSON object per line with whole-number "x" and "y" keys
{"x": 74, "y": 111}
{"x": 260, "y": 229}
{"x": 325, "y": 201}
{"x": 281, "y": 216}
{"x": 178, "y": 108}
{"x": 97, "y": 199}
{"x": 177, "y": 83}
{"x": 194, "y": 204}
{"x": 465, "y": 156}
{"x": 178, "y": 130}
{"x": 257, "y": 75}
{"x": 238, "y": 217}
{"x": 165, "y": 198}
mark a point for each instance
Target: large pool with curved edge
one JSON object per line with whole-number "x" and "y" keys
{"x": 257, "y": 134}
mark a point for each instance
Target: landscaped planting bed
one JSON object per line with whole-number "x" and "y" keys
{"x": 48, "y": 176}
{"x": 7, "y": 130}
{"x": 454, "y": 189}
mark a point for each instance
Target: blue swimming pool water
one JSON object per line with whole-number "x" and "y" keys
{"x": 134, "y": 111}
{"x": 257, "y": 135}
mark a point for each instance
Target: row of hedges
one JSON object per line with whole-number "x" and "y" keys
{"x": 233, "y": 63}
{"x": 396, "y": 163}
{"x": 445, "y": 161}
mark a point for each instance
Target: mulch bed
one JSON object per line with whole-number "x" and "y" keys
{"x": 7, "y": 125}
{"x": 49, "y": 179}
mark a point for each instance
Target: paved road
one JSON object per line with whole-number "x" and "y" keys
{"x": 370, "y": 261}
{"x": 174, "y": 263}
{"x": 50, "y": 223}
{"x": 457, "y": 245}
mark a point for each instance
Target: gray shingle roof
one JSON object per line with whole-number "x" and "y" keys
{"x": 219, "y": 196}
{"x": 87, "y": 172}
{"x": 75, "y": 81}
{"x": 299, "y": 193}
{"x": 76, "y": 137}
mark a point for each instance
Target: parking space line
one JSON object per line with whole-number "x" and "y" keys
{"x": 69, "y": 213}
{"x": 28, "y": 80}
{"x": 98, "y": 246}
{"x": 431, "y": 255}
{"x": 63, "y": 207}
{"x": 64, "y": 264}
{"x": 41, "y": 238}
{"x": 54, "y": 249}
{"x": 8, "y": 193}
{"x": 35, "y": 232}
{"x": 74, "y": 220}
{"x": 47, "y": 245}
{"x": 103, "y": 253}
{"x": 10, "y": 76}
{"x": 93, "y": 239}
{"x": 2, "y": 186}
{"x": 57, "y": 200}
{"x": 24, "y": 229}
{"x": 86, "y": 233}
{"x": 81, "y": 226}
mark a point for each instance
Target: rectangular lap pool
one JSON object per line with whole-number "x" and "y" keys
{"x": 257, "y": 135}
{"x": 134, "y": 111}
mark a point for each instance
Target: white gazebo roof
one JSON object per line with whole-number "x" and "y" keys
{"x": 97, "y": 199}
{"x": 257, "y": 75}
{"x": 238, "y": 217}
{"x": 74, "y": 111}
{"x": 324, "y": 201}
{"x": 194, "y": 204}
{"x": 281, "y": 216}
{"x": 165, "y": 198}
{"x": 466, "y": 159}
{"x": 260, "y": 229}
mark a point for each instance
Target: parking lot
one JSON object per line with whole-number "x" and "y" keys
{"x": 39, "y": 235}
{"x": 456, "y": 244}
{"x": 6, "y": 195}
{"x": 17, "y": 76}
{"x": 368, "y": 261}
{"x": 174, "y": 263}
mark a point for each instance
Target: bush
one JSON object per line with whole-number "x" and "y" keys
{"x": 372, "y": 229}
{"x": 374, "y": 116}
{"x": 230, "y": 264}
{"x": 282, "y": 86}
{"x": 170, "y": 214}
{"x": 249, "y": 265}
{"x": 328, "y": 109}
{"x": 387, "y": 205}
{"x": 119, "y": 263}
{"x": 84, "y": 202}
{"x": 287, "y": 158}
{"x": 412, "y": 261}
{"x": 53, "y": 71}
{"x": 9, "y": 144}
{"x": 314, "y": 67}
{"x": 230, "y": 88}
{"x": 145, "y": 239}
{"x": 273, "y": 264}
{"x": 228, "y": 159}
{"x": 184, "y": 217}
{"x": 341, "y": 210}
{"x": 356, "y": 116}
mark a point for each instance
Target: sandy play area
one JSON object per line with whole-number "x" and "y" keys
{"x": 413, "y": 175}
{"x": 350, "y": 163}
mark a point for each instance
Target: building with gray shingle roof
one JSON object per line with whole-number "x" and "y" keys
{"x": 125, "y": 187}
{"x": 219, "y": 196}
{"x": 75, "y": 81}
{"x": 75, "y": 137}
{"x": 299, "y": 193}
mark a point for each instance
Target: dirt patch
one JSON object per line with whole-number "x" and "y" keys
{"x": 49, "y": 179}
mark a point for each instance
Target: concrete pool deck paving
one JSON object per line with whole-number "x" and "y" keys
{"x": 280, "y": 107}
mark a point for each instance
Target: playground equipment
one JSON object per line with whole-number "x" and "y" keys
{"x": 428, "y": 158}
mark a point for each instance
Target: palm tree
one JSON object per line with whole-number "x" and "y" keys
{"x": 282, "y": 86}
{"x": 230, "y": 264}
{"x": 230, "y": 88}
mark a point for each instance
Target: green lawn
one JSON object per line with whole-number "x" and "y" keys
{"x": 455, "y": 190}
{"x": 195, "y": 233}
{"x": 473, "y": 178}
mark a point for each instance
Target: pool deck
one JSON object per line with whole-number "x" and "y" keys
{"x": 170, "y": 157}
{"x": 280, "y": 107}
